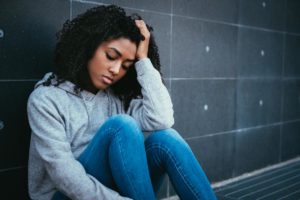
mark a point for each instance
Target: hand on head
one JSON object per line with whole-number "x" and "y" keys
{"x": 142, "y": 51}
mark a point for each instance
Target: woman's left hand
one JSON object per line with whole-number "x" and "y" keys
{"x": 142, "y": 50}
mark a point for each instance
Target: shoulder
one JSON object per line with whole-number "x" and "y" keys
{"x": 46, "y": 95}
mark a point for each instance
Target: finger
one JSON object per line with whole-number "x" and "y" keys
{"x": 139, "y": 22}
{"x": 143, "y": 28}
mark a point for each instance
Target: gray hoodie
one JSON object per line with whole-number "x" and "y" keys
{"x": 63, "y": 123}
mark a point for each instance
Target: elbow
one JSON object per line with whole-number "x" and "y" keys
{"x": 164, "y": 124}
{"x": 168, "y": 122}
{"x": 161, "y": 123}
{"x": 166, "y": 119}
{"x": 153, "y": 121}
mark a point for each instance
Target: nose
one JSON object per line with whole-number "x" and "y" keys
{"x": 115, "y": 69}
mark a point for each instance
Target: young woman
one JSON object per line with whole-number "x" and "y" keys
{"x": 88, "y": 116}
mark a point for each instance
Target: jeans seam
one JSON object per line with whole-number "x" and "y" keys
{"x": 178, "y": 170}
{"x": 155, "y": 159}
{"x": 123, "y": 163}
{"x": 115, "y": 132}
{"x": 109, "y": 129}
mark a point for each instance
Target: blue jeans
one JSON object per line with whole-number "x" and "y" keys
{"x": 120, "y": 158}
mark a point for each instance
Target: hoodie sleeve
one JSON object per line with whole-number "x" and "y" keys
{"x": 52, "y": 147}
{"x": 155, "y": 110}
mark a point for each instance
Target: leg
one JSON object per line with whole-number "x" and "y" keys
{"x": 116, "y": 157}
{"x": 127, "y": 158}
{"x": 168, "y": 152}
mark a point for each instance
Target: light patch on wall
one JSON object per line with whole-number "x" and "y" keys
{"x": 1, "y": 33}
{"x": 205, "y": 107}
{"x": 207, "y": 49}
{"x": 261, "y": 102}
{"x": 1, "y": 125}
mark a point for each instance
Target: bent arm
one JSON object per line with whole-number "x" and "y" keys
{"x": 155, "y": 110}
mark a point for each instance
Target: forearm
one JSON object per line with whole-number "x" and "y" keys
{"x": 155, "y": 110}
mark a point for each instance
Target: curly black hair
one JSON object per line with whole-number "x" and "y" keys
{"x": 79, "y": 39}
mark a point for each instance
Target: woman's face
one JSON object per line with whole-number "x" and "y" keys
{"x": 110, "y": 63}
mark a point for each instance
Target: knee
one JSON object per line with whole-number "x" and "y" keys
{"x": 125, "y": 124}
{"x": 168, "y": 137}
{"x": 122, "y": 120}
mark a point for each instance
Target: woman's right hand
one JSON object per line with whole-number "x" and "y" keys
{"x": 142, "y": 51}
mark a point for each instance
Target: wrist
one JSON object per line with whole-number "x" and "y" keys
{"x": 142, "y": 66}
{"x": 141, "y": 57}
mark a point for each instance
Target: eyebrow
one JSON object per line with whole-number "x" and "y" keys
{"x": 119, "y": 53}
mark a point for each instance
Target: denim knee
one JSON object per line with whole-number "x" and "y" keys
{"x": 120, "y": 120}
{"x": 125, "y": 124}
{"x": 168, "y": 138}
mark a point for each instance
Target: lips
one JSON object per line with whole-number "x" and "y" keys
{"x": 107, "y": 79}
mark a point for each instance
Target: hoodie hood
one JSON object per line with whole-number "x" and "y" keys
{"x": 68, "y": 86}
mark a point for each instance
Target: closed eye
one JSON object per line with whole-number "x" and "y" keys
{"x": 125, "y": 67}
{"x": 109, "y": 57}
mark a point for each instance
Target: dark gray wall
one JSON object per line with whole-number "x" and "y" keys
{"x": 232, "y": 68}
